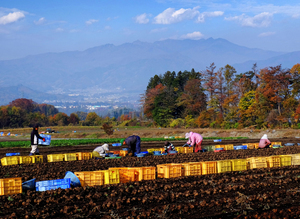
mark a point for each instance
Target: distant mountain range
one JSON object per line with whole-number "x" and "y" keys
{"x": 128, "y": 67}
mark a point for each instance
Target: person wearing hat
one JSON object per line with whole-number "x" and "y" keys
{"x": 134, "y": 144}
{"x": 35, "y": 140}
{"x": 100, "y": 151}
{"x": 264, "y": 142}
{"x": 194, "y": 139}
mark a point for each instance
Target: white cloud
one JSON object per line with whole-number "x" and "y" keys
{"x": 59, "y": 29}
{"x": 194, "y": 36}
{"x": 11, "y": 17}
{"x": 170, "y": 15}
{"x": 40, "y": 21}
{"x": 202, "y": 16}
{"x": 142, "y": 19}
{"x": 91, "y": 21}
{"x": 265, "y": 34}
{"x": 107, "y": 27}
{"x": 260, "y": 20}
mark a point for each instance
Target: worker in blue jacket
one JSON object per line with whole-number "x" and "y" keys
{"x": 134, "y": 144}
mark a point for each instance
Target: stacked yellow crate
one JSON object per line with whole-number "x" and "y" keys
{"x": 285, "y": 160}
{"x": 295, "y": 159}
{"x": 191, "y": 169}
{"x": 83, "y": 155}
{"x": 223, "y": 166}
{"x": 55, "y": 157}
{"x": 228, "y": 147}
{"x": 70, "y": 156}
{"x": 209, "y": 167}
{"x": 10, "y": 160}
{"x": 10, "y": 186}
{"x": 168, "y": 170}
{"x": 257, "y": 162}
{"x": 238, "y": 164}
{"x": 90, "y": 178}
{"x": 273, "y": 161}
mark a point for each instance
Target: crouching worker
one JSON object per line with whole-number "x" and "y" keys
{"x": 169, "y": 147}
{"x": 35, "y": 141}
{"x": 264, "y": 142}
{"x": 99, "y": 152}
{"x": 134, "y": 144}
{"x": 194, "y": 139}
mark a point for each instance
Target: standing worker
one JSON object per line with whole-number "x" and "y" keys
{"x": 35, "y": 140}
{"x": 134, "y": 144}
{"x": 100, "y": 151}
{"x": 264, "y": 142}
{"x": 194, "y": 138}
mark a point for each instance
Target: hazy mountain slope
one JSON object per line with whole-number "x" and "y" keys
{"x": 128, "y": 66}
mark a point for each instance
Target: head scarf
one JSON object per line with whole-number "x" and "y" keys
{"x": 187, "y": 135}
{"x": 264, "y": 136}
{"x": 105, "y": 147}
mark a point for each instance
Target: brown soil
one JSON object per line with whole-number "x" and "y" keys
{"x": 260, "y": 193}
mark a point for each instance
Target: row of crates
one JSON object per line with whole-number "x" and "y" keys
{"x": 13, "y": 160}
{"x": 69, "y": 156}
{"x": 242, "y": 146}
{"x": 181, "y": 150}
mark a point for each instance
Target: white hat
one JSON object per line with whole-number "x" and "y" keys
{"x": 264, "y": 136}
{"x": 187, "y": 135}
{"x": 105, "y": 147}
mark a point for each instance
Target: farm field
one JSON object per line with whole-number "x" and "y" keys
{"x": 257, "y": 193}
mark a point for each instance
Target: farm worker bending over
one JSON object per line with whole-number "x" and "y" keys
{"x": 169, "y": 147}
{"x": 100, "y": 151}
{"x": 264, "y": 142}
{"x": 134, "y": 144}
{"x": 35, "y": 140}
{"x": 194, "y": 138}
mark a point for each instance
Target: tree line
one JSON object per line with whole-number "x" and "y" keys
{"x": 26, "y": 113}
{"x": 221, "y": 98}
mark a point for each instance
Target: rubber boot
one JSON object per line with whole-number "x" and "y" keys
{"x": 30, "y": 154}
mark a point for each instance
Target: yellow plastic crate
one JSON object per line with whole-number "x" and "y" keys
{"x": 10, "y": 186}
{"x": 223, "y": 166}
{"x": 273, "y": 161}
{"x": 90, "y": 178}
{"x": 257, "y": 162}
{"x": 187, "y": 150}
{"x": 25, "y": 159}
{"x": 209, "y": 167}
{"x": 285, "y": 160}
{"x": 37, "y": 159}
{"x": 111, "y": 176}
{"x": 238, "y": 164}
{"x": 191, "y": 169}
{"x": 150, "y": 151}
{"x": 178, "y": 149}
{"x": 10, "y": 160}
{"x": 228, "y": 147}
{"x": 129, "y": 175}
{"x": 276, "y": 143}
{"x": 123, "y": 153}
{"x": 55, "y": 157}
{"x": 83, "y": 155}
{"x": 148, "y": 173}
{"x": 256, "y": 145}
{"x": 70, "y": 156}
{"x": 251, "y": 146}
{"x": 295, "y": 159}
{"x": 168, "y": 170}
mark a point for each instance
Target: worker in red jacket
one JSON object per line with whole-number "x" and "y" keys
{"x": 264, "y": 142}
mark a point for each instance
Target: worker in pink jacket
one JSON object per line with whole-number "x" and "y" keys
{"x": 264, "y": 142}
{"x": 194, "y": 139}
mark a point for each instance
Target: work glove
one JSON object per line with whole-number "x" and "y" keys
{"x": 44, "y": 139}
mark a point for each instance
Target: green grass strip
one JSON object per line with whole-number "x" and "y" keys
{"x": 73, "y": 142}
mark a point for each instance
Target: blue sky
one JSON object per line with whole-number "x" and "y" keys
{"x": 29, "y": 27}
